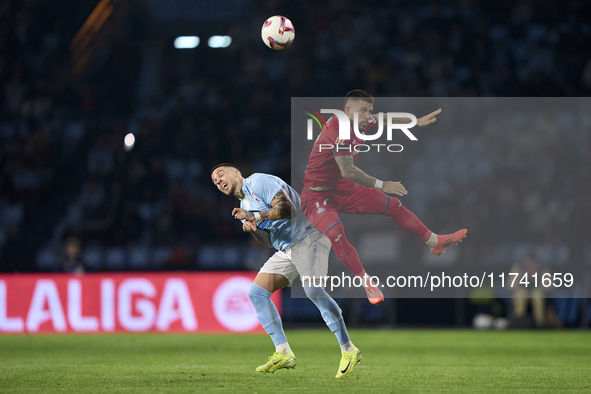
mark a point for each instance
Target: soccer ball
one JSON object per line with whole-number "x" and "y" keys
{"x": 278, "y": 32}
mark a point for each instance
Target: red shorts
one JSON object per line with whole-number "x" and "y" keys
{"x": 322, "y": 208}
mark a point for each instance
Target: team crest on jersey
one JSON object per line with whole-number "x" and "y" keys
{"x": 373, "y": 119}
{"x": 255, "y": 197}
{"x": 321, "y": 209}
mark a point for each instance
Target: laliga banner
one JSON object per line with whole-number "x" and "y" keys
{"x": 125, "y": 302}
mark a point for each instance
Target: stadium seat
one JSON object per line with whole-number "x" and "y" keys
{"x": 220, "y": 257}
{"x": 567, "y": 310}
{"x": 139, "y": 258}
{"x": 94, "y": 258}
{"x": 552, "y": 255}
{"x": 160, "y": 256}
{"x": 46, "y": 260}
{"x": 115, "y": 259}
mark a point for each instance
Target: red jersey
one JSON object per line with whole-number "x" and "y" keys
{"x": 322, "y": 168}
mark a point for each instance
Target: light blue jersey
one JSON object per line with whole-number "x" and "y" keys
{"x": 259, "y": 190}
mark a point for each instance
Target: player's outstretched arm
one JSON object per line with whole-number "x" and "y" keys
{"x": 262, "y": 236}
{"x": 421, "y": 122}
{"x": 354, "y": 174}
{"x": 428, "y": 119}
{"x": 281, "y": 208}
{"x": 397, "y": 120}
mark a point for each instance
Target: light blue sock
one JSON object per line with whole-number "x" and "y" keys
{"x": 330, "y": 311}
{"x": 267, "y": 313}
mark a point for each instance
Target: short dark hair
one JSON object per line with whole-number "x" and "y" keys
{"x": 223, "y": 165}
{"x": 358, "y": 94}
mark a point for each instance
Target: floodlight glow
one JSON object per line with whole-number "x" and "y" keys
{"x": 219, "y": 41}
{"x": 129, "y": 141}
{"x": 186, "y": 42}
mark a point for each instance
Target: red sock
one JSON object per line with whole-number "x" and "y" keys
{"x": 344, "y": 250}
{"x": 406, "y": 220}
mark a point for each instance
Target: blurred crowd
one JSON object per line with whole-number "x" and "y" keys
{"x": 189, "y": 113}
{"x": 41, "y": 122}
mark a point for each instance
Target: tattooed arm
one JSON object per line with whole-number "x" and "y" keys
{"x": 421, "y": 122}
{"x": 281, "y": 208}
{"x": 352, "y": 173}
{"x": 396, "y": 120}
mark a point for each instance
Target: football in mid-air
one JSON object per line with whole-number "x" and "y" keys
{"x": 278, "y": 32}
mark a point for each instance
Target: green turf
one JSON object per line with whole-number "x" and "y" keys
{"x": 393, "y": 361}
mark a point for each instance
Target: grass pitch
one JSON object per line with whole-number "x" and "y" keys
{"x": 393, "y": 361}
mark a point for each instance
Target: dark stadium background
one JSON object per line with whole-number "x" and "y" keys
{"x": 66, "y": 105}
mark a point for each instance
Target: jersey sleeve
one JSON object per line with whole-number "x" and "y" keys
{"x": 266, "y": 187}
{"x": 342, "y": 148}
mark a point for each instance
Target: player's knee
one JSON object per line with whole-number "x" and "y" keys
{"x": 395, "y": 206}
{"x": 313, "y": 292}
{"x": 255, "y": 293}
{"x": 339, "y": 241}
{"x": 336, "y": 234}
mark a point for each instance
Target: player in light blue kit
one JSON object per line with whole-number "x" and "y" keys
{"x": 270, "y": 211}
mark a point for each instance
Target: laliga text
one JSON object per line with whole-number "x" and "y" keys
{"x": 511, "y": 280}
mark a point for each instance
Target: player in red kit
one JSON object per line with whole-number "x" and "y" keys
{"x": 333, "y": 185}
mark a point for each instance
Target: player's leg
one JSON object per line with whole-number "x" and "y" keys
{"x": 330, "y": 225}
{"x": 333, "y": 317}
{"x": 275, "y": 274}
{"x": 538, "y": 304}
{"x": 520, "y": 303}
{"x": 378, "y": 203}
{"x": 321, "y": 209}
{"x": 259, "y": 293}
{"x": 310, "y": 256}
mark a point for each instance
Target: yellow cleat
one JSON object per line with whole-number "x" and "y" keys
{"x": 348, "y": 362}
{"x": 278, "y": 361}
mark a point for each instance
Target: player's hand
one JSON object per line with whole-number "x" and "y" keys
{"x": 249, "y": 227}
{"x": 242, "y": 214}
{"x": 390, "y": 187}
{"x": 428, "y": 119}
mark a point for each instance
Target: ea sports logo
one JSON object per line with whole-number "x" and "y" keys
{"x": 232, "y": 307}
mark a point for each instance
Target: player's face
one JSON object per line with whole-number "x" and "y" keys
{"x": 363, "y": 108}
{"x": 226, "y": 179}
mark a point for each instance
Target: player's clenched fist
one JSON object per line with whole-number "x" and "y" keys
{"x": 249, "y": 227}
{"x": 396, "y": 188}
{"x": 242, "y": 214}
